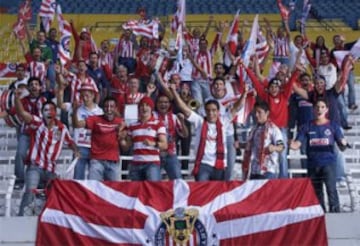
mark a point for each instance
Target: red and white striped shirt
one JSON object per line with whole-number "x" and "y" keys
{"x": 106, "y": 59}
{"x": 46, "y": 144}
{"x": 39, "y": 70}
{"x": 75, "y": 85}
{"x": 281, "y": 47}
{"x": 150, "y": 130}
{"x": 125, "y": 48}
{"x": 204, "y": 59}
{"x": 171, "y": 123}
{"x": 32, "y": 106}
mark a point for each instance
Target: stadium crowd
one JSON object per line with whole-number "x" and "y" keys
{"x": 147, "y": 98}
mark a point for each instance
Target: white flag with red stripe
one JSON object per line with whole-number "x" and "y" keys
{"x": 148, "y": 29}
{"x": 262, "y": 47}
{"x": 284, "y": 12}
{"x": 19, "y": 29}
{"x": 25, "y": 11}
{"x": 179, "y": 16}
{"x": 263, "y": 212}
{"x": 47, "y": 13}
{"x": 250, "y": 46}
{"x": 64, "y": 42}
{"x": 232, "y": 39}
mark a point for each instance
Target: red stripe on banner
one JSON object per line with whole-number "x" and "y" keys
{"x": 284, "y": 198}
{"x": 100, "y": 212}
{"x": 309, "y": 232}
{"x": 49, "y": 234}
{"x": 204, "y": 192}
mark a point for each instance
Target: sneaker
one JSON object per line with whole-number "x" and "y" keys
{"x": 347, "y": 127}
{"x": 341, "y": 184}
{"x": 353, "y": 107}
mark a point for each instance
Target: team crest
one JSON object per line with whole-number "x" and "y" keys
{"x": 327, "y": 132}
{"x": 181, "y": 225}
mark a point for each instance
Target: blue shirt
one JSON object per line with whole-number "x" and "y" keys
{"x": 320, "y": 141}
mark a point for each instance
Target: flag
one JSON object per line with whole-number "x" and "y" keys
{"x": 263, "y": 212}
{"x": 19, "y": 29}
{"x": 179, "y": 43}
{"x": 250, "y": 46}
{"x": 47, "y": 13}
{"x": 179, "y": 16}
{"x": 7, "y": 70}
{"x": 149, "y": 29}
{"x": 304, "y": 15}
{"x": 340, "y": 54}
{"x": 284, "y": 12}
{"x": 232, "y": 40}
{"x": 262, "y": 47}
{"x": 64, "y": 42}
{"x": 25, "y": 11}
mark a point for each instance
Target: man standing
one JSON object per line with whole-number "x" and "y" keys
{"x": 148, "y": 137}
{"x": 47, "y": 137}
{"x": 210, "y": 162}
{"x": 105, "y": 152}
{"x": 265, "y": 142}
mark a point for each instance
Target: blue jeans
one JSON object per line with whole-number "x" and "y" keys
{"x": 82, "y": 163}
{"x": 34, "y": 175}
{"x": 283, "y": 162}
{"x": 207, "y": 172}
{"x": 104, "y": 170}
{"x": 200, "y": 90}
{"x": 351, "y": 89}
{"x": 21, "y": 154}
{"x": 171, "y": 165}
{"x": 267, "y": 175}
{"x": 325, "y": 174}
{"x": 230, "y": 157}
{"x": 141, "y": 172}
{"x": 343, "y": 112}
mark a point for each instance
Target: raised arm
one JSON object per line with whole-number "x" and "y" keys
{"x": 179, "y": 102}
{"x": 183, "y": 130}
{"x": 26, "y": 116}
{"x": 240, "y": 102}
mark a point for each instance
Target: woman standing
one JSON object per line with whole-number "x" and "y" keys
{"x": 321, "y": 134}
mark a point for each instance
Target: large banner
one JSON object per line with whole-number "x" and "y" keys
{"x": 266, "y": 212}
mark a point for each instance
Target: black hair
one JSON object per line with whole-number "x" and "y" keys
{"x": 46, "y": 103}
{"x": 109, "y": 98}
{"x": 213, "y": 101}
{"x": 31, "y": 79}
{"x": 262, "y": 105}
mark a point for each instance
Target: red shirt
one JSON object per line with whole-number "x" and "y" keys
{"x": 104, "y": 142}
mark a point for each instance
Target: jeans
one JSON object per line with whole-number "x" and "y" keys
{"x": 34, "y": 175}
{"x": 283, "y": 162}
{"x": 340, "y": 164}
{"x": 207, "y": 172}
{"x": 351, "y": 89}
{"x": 230, "y": 157}
{"x": 343, "y": 112}
{"x": 171, "y": 165}
{"x": 200, "y": 90}
{"x": 82, "y": 163}
{"x": 325, "y": 174}
{"x": 104, "y": 170}
{"x": 141, "y": 172}
{"x": 21, "y": 154}
{"x": 267, "y": 175}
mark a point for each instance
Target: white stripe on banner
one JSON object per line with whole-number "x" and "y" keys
{"x": 82, "y": 227}
{"x": 266, "y": 221}
{"x": 181, "y": 193}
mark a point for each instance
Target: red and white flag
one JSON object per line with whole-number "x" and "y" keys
{"x": 64, "y": 42}
{"x": 262, "y": 47}
{"x": 179, "y": 16}
{"x": 7, "y": 70}
{"x": 284, "y": 12}
{"x": 47, "y": 13}
{"x": 232, "y": 40}
{"x": 19, "y": 29}
{"x": 25, "y": 11}
{"x": 148, "y": 29}
{"x": 264, "y": 212}
{"x": 250, "y": 46}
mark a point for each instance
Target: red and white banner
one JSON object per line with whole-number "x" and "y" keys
{"x": 148, "y": 29}
{"x": 179, "y": 16}
{"x": 19, "y": 29}
{"x": 264, "y": 212}
{"x": 47, "y": 13}
{"x": 64, "y": 42}
{"x": 232, "y": 40}
{"x": 7, "y": 70}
